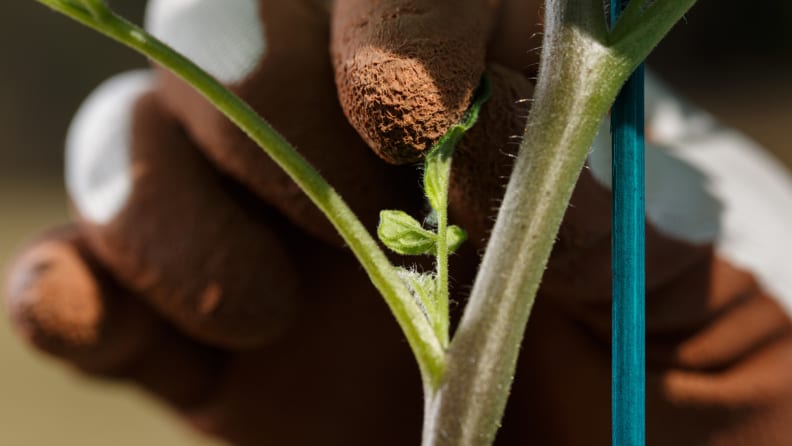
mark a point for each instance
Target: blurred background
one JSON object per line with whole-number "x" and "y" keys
{"x": 51, "y": 65}
{"x": 733, "y": 60}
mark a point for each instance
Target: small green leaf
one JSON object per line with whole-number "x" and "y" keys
{"x": 456, "y": 236}
{"x": 483, "y": 94}
{"x": 436, "y": 176}
{"x": 404, "y": 234}
{"x": 437, "y": 166}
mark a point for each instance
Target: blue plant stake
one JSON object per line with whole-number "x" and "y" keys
{"x": 628, "y": 408}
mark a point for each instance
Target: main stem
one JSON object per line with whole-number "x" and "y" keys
{"x": 578, "y": 80}
{"x": 582, "y": 70}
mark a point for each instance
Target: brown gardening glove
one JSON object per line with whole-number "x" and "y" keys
{"x": 199, "y": 271}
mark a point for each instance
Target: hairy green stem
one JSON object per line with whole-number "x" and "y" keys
{"x": 442, "y": 312}
{"x": 581, "y": 73}
{"x": 425, "y": 345}
{"x": 437, "y": 177}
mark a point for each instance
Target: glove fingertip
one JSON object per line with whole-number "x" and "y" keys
{"x": 63, "y": 303}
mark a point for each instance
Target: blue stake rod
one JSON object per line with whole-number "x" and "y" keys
{"x": 628, "y": 408}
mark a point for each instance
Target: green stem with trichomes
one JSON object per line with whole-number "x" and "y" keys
{"x": 582, "y": 70}
{"x": 436, "y": 181}
{"x": 437, "y": 176}
{"x": 442, "y": 320}
{"x": 405, "y": 235}
{"x": 420, "y": 335}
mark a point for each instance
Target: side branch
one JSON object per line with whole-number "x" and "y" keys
{"x": 420, "y": 335}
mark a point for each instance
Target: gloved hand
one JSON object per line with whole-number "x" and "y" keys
{"x": 197, "y": 269}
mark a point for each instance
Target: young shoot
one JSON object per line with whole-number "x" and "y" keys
{"x": 404, "y": 235}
